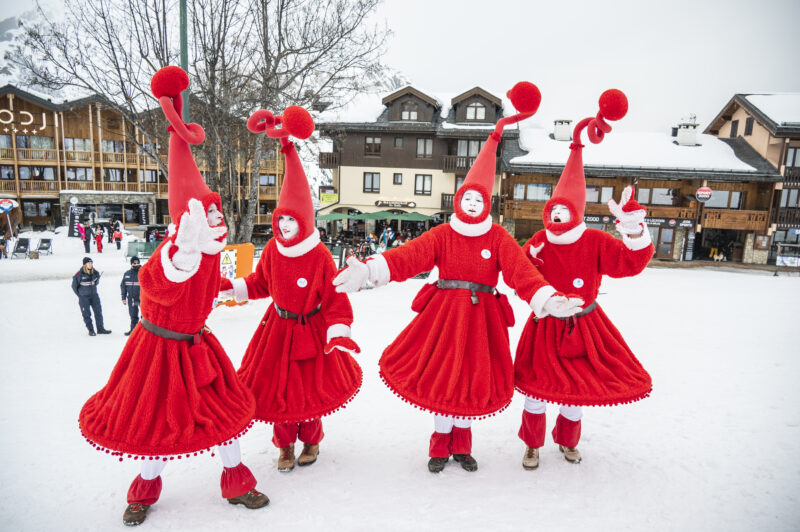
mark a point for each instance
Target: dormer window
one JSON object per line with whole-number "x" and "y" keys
{"x": 476, "y": 111}
{"x": 408, "y": 111}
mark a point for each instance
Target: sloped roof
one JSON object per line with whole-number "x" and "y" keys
{"x": 479, "y": 92}
{"x": 778, "y": 112}
{"x": 410, "y": 90}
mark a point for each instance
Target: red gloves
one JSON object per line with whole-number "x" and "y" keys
{"x": 342, "y": 343}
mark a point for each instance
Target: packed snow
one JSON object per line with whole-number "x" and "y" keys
{"x": 711, "y": 449}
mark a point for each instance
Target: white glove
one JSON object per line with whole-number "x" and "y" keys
{"x": 225, "y": 295}
{"x": 561, "y": 306}
{"x": 194, "y": 237}
{"x": 353, "y": 278}
{"x": 630, "y": 219}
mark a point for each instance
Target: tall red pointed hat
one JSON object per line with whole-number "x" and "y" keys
{"x": 571, "y": 188}
{"x": 185, "y": 180}
{"x": 525, "y": 97}
{"x": 295, "y": 198}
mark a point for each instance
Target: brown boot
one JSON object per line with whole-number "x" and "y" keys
{"x": 286, "y": 459}
{"x": 309, "y": 454}
{"x": 135, "y": 514}
{"x": 571, "y": 454}
{"x": 531, "y": 459}
{"x": 468, "y": 463}
{"x": 252, "y": 499}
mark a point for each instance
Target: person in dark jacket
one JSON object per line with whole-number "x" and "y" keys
{"x": 130, "y": 292}
{"x": 84, "y": 284}
{"x": 87, "y": 237}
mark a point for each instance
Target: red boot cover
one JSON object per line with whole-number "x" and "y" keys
{"x": 533, "y": 429}
{"x": 566, "y": 432}
{"x": 440, "y": 445}
{"x": 236, "y": 481}
{"x": 462, "y": 441}
{"x": 285, "y": 434}
{"x": 144, "y": 491}
{"x": 311, "y": 431}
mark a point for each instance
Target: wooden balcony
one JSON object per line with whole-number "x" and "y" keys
{"x": 457, "y": 163}
{"x": 78, "y": 156}
{"x": 7, "y": 186}
{"x": 660, "y": 211}
{"x": 159, "y": 189}
{"x": 329, "y": 159}
{"x": 120, "y": 186}
{"x": 268, "y": 192}
{"x": 38, "y": 155}
{"x": 528, "y": 210}
{"x": 791, "y": 176}
{"x": 37, "y": 187}
{"x": 81, "y": 185}
{"x": 271, "y": 166}
{"x": 263, "y": 219}
{"x": 7, "y": 153}
{"x": 786, "y": 217}
{"x": 447, "y": 203}
{"x": 113, "y": 158}
{"x": 735, "y": 219}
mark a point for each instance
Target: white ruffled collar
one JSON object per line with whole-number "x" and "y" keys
{"x": 301, "y": 248}
{"x": 478, "y": 229}
{"x": 568, "y": 237}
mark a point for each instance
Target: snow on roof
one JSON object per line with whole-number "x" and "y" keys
{"x": 632, "y": 149}
{"x": 783, "y": 109}
{"x": 364, "y": 107}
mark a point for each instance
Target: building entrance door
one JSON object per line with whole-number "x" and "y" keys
{"x": 663, "y": 240}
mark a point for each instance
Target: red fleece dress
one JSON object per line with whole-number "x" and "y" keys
{"x": 152, "y": 404}
{"x": 591, "y": 365}
{"x": 454, "y": 358}
{"x": 287, "y": 388}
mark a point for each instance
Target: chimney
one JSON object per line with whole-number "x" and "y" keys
{"x": 687, "y": 131}
{"x": 562, "y": 130}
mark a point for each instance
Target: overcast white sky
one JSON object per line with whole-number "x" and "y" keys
{"x": 671, "y": 57}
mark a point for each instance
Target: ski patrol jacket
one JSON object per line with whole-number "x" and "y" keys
{"x": 85, "y": 284}
{"x": 130, "y": 285}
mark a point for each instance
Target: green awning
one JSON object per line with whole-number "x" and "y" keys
{"x": 414, "y": 217}
{"x": 380, "y": 215}
{"x": 333, "y": 216}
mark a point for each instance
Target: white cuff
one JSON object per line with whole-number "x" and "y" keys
{"x": 171, "y": 272}
{"x": 635, "y": 244}
{"x": 338, "y": 330}
{"x": 379, "y": 273}
{"x": 540, "y": 298}
{"x": 240, "y": 289}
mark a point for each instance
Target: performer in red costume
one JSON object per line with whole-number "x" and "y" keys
{"x": 173, "y": 392}
{"x": 454, "y": 358}
{"x": 298, "y": 364}
{"x": 582, "y": 360}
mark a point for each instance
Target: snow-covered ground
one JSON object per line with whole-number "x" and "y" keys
{"x": 712, "y": 449}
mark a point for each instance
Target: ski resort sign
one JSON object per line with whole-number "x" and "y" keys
{"x": 703, "y": 194}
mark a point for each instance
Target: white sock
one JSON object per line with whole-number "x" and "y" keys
{"x": 231, "y": 454}
{"x": 152, "y": 468}
{"x": 462, "y": 423}
{"x": 535, "y": 406}
{"x": 442, "y": 424}
{"x": 573, "y": 413}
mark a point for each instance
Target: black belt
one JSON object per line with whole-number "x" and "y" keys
{"x": 449, "y": 284}
{"x": 302, "y": 318}
{"x": 584, "y": 312}
{"x": 172, "y": 335}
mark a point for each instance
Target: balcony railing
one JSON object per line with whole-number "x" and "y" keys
{"x": 78, "y": 156}
{"x": 8, "y": 186}
{"x": 80, "y": 185}
{"x": 112, "y": 157}
{"x": 329, "y": 159}
{"x": 531, "y": 210}
{"x": 263, "y": 219}
{"x": 39, "y": 186}
{"x": 120, "y": 186}
{"x": 447, "y": 203}
{"x": 267, "y": 191}
{"x": 791, "y": 176}
{"x": 735, "y": 219}
{"x": 457, "y": 163}
{"x": 787, "y": 217}
{"x": 155, "y": 188}
{"x": 35, "y": 154}
{"x": 7, "y": 153}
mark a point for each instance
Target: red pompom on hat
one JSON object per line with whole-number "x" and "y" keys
{"x": 525, "y": 97}
{"x": 185, "y": 180}
{"x": 295, "y": 198}
{"x": 571, "y": 188}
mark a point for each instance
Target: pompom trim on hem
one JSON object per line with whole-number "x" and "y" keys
{"x": 476, "y": 416}
{"x": 165, "y": 457}
{"x": 330, "y": 411}
{"x": 571, "y": 401}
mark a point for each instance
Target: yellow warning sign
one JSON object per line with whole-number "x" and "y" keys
{"x": 226, "y": 259}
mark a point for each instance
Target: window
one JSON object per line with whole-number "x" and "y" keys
{"x": 422, "y": 184}
{"x": 148, "y": 176}
{"x": 44, "y": 209}
{"x": 469, "y": 148}
{"x": 658, "y": 196}
{"x": 24, "y": 172}
{"x": 42, "y": 143}
{"x": 397, "y": 179}
{"x": 398, "y": 142}
{"x": 79, "y": 174}
{"x": 372, "y": 146}
{"x": 519, "y": 191}
{"x": 408, "y": 111}
{"x": 42, "y": 172}
{"x": 372, "y": 182}
{"x": 5, "y": 141}
{"x": 424, "y": 148}
{"x": 643, "y": 196}
{"x": 266, "y": 180}
{"x": 734, "y": 128}
{"x": 113, "y": 175}
{"x": 719, "y": 200}
{"x": 459, "y": 182}
{"x": 262, "y": 208}
{"x": 113, "y": 146}
{"x": 6, "y": 172}
{"x": 748, "y": 125}
{"x": 538, "y": 192}
{"x": 23, "y": 141}
{"x": 29, "y": 207}
{"x": 74, "y": 144}
{"x": 598, "y": 194}
{"x": 793, "y": 157}
{"x": 476, "y": 111}
{"x": 789, "y": 196}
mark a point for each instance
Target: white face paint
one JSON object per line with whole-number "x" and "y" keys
{"x": 560, "y": 214}
{"x": 472, "y": 203}
{"x": 214, "y": 216}
{"x": 288, "y": 227}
